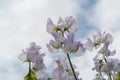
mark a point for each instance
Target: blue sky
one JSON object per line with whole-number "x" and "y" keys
{"x": 24, "y": 21}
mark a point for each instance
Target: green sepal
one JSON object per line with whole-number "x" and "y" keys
{"x": 117, "y": 77}
{"x": 30, "y": 76}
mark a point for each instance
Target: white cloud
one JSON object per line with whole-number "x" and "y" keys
{"x": 107, "y": 15}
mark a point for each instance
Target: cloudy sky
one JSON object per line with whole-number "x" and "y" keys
{"x": 24, "y": 21}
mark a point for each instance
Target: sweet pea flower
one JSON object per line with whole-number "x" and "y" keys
{"x": 111, "y": 65}
{"x": 53, "y": 46}
{"x": 73, "y": 47}
{"x": 51, "y": 27}
{"x": 89, "y": 44}
{"x": 39, "y": 63}
{"x": 68, "y": 25}
{"x": 105, "y": 51}
{"x": 58, "y": 37}
{"x": 30, "y": 54}
{"x": 102, "y": 38}
{"x": 63, "y": 70}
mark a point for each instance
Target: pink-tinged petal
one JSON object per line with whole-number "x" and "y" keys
{"x": 52, "y": 49}
{"x": 88, "y": 45}
{"x": 50, "y": 26}
{"x": 23, "y": 56}
{"x": 80, "y": 51}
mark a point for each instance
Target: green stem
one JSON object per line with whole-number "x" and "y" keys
{"x": 29, "y": 66}
{"x": 71, "y": 66}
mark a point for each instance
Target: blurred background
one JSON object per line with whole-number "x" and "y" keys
{"x": 24, "y": 21}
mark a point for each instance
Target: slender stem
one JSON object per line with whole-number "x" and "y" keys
{"x": 29, "y": 66}
{"x": 71, "y": 66}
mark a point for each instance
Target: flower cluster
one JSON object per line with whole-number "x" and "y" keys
{"x": 104, "y": 64}
{"x": 107, "y": 68}
{"x": 63, "y": 70}
{"x": 34, "y": 57}
{"x": 63, "y": 34}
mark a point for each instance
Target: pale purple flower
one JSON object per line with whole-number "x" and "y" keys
{"x": 105, "y": 51}
{"x": 51, "y": 27}
{"x": 71, "y": 24}
{"x": 89, "y": 44}
{"x": 68, "y": 25}
{"x": 99, "y": 38}
{"x": 30, "y": 53}
{"x": 39, "y": 63}
{"x": 109, "y": 38}
{"x": 58, "y": 37}
{"x": 63, "y": 70}
{"x": 53, "y": 46}
{"x": 111, "y": 65}
{"x": 73, "y": 47}
{"x": 98, "y": 64}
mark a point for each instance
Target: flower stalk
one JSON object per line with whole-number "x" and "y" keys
{"x": 71, "y": 66}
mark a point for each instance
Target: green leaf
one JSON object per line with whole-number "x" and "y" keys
{"x": 30, "y": 76}
{"x": 117, "y": 77}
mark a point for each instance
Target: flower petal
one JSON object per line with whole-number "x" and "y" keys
{"x": 50, "y": 26}
{"x": 23, "y": 57}
{"x": 52, "y": 49}
{"x": 80, "y": 51}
